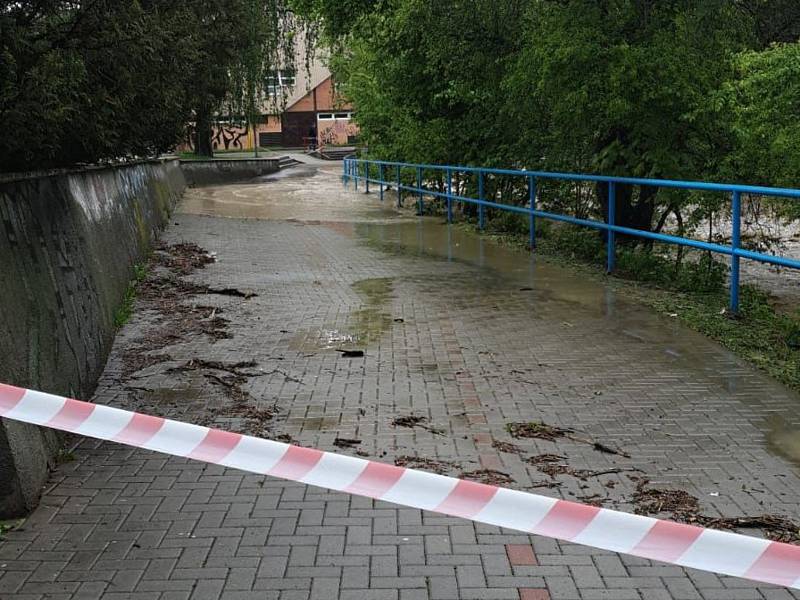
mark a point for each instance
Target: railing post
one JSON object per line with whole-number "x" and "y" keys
{"x": 736, "y": 240}
{"x": 399, "y": 190}
{"x": 481, "y": 213}
{"x": 532, "y": 200}
{"x": 366, "y": 177}
{"x": 355, "y": 170}
{"x": 380, "y": 178}
{"x": 611, "y": 246}
{"x": 419, "y": 190}
{"x": 449, "y": 195}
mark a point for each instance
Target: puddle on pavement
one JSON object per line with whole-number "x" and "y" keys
{"x": 366, "y": 326}
{"x": 501, "y": 266}
{"x": 560, "y": 294}
{"x": 169, "y": 402}
{"x": 783, "y": 439}
{"x": 370, "y": 322}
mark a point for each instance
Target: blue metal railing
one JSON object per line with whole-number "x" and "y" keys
{"x": 353, "y": 166}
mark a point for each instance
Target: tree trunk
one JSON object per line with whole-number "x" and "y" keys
{"x": 202, "y": 133}
{"x": 629, "y": 213}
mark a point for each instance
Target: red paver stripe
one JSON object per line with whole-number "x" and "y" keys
{"x": 779, "y": 564}
{"x": 532, "y": 594}
{"x": 72, "y": 415}
{"x": 215, "y": 446}
{"x": 139, "y": 430}
{"x": 296, "y": 463}
{"x": 491, "y": 461}
{"x": 521, "y": 555}
{"x": 10, "y": 396}
{"x": 566, "y": 520}
{"x": 376, "y": 480}
{"x": 467, "y": 499}
{"x": 667, "y": 541}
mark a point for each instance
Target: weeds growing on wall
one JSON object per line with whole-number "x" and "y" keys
{"x": 123, "y": 314}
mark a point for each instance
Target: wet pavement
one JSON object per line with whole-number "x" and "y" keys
{"x": 468, "y": 335}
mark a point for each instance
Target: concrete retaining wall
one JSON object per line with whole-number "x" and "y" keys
{"x": 227, "y": 170}
{"x": 68, "y": 243}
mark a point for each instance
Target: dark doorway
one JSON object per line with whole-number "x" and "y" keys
{"x": 269, "y": 138}
{"x": 295, "y": 126}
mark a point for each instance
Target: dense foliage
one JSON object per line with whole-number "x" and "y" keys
{"x": 89, "y": 80}
{"x": 686, "y": 89}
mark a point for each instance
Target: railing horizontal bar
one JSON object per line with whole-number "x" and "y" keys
{"x": 666, "y": 183}
{"x": 659, "y": 237}
{"x": 780, "y": 261}
{"x": 597, "y": 225}
{"x": 378, "y": 181}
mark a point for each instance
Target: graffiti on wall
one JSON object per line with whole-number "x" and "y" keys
{"x": 229, "y": 136}
{"x": 224, "y": 136}
{"x": 337, "y": 132}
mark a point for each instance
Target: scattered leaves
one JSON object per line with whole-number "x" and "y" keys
{"x": 488, "y": 477}
{"x": 441, "y": 467}
{"x": 346, "y": 442}
{"x": 538, "y": 430}
{"x": 506, "y": 447}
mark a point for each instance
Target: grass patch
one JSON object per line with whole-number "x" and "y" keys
{"x": 221, "y": 153}
{"x": 65, "y": 456}
{"x": 123, "y": 313}
{"x": 694, "y": 291}
{"x": 9, "y": 525}
{"x": 766, "y": 338}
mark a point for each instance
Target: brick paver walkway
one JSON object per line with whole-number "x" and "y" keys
{"x": 468, "y": 335}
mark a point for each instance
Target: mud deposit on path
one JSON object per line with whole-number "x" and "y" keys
{"x": 298, "y": 193}
{"x": 176, "y": 317}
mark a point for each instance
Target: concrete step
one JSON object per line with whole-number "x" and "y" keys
{"x": 336, "y": 153}
{"x": 284, "y": 162}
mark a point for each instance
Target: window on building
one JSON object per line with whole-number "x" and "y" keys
{"x": 277, "y": 80}
{"x": 342, "y": 115}
{"x": 288, "y": 78}
{"x": 325, "y": 116}
{"x": 272, "y": 84}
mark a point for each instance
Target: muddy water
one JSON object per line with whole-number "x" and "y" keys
{"x": 314, "y": 195}
{"x": 783, "y": 438}
{"x": 431, "y": 238}
{"x": 505, "y": 269}
{"x": 304, "y": 193}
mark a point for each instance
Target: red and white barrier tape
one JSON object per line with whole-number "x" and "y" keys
{"x": 666, "y": 541}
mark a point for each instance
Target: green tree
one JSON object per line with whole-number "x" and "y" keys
{"x": 240, "y": 43}
{"x": 90, "y": 80}
{"x": 425, "y": 76}
{"x": 622, "y": 87}
{"x": 773, "y": 21}
{"x": 764, "y": 106}
{"x": 85, "y": 81}
{"x": 266, "y": 42}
